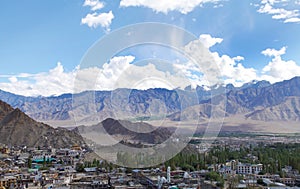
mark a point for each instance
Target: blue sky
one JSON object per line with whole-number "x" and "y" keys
{"x": 44, "y": 41}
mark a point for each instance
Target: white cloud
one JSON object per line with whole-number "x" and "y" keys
{"x": 274, "y": 52}
{"x": 118, "y": 73}
{"x": 215, "y": 66}
{"x": 192, "y": 72}
{"x": 218, "y": 6}
{"x": 183, "y": 6}
{"x": 94, "y": 4}
{"x": 121, "y": 73}
{"x": 238, "y": 58}
{"x": 231, "y": 69}
{"x": 94, "y": 20}
{"x": 13, "y": 79}
{"x": 292, "y": 20}
{"x": 56, "y": 81}
{"x": 278, "y": 12}
{"x": 209, "y": 41}
{"x": 145, "y": 77}
{"x": 278, "y": 69}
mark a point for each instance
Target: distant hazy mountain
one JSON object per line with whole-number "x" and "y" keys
{"x": 96, "y": 106}
{"x": 288, "y": 110}
{"x": 251, "y": 98}
{"x": 257, "y": 100}
{"x": 17, "y": 129}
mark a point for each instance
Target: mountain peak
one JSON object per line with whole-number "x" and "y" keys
{"x": 4, "y": 109}
{"x": 256, "y": 84}
{"x": 17, "y": 129}
{"x": 15, "y": 117}
{"x": 133, "y": 131}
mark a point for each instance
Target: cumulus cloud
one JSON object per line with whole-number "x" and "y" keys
{"x": 94, "y": 20}
{"x": 209, "y": 41}
{"x": 13, "y": 79}
{"x": 192, "y": 72}
{"x": 278, "y": 11}
{"x": 94, "y": 4}
{"x": 56, "y": 81}
{"x": 183, "y": 6}
{"x": 274, "y": 52}
{"x": 231, "y": 70}
{"x": 278, "y": 69}
{"x": 119, "y": 72}
{"x": 148, "y": 76}
{"x": 215, "y": 68}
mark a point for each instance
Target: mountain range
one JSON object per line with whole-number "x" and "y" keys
{"x": 257, "y": 100}
{"x": 18, "y": 129}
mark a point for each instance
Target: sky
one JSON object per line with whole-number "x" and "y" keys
{"x": 43, "y": 44}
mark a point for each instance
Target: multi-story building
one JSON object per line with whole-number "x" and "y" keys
{"x": 249, "y": 168}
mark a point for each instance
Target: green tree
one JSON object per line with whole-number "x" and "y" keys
{"x": 29, "y": 162}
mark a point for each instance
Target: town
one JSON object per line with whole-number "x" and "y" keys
{"x": 231, "y": 162}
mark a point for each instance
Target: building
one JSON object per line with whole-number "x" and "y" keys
{"x": 249, "y": 168}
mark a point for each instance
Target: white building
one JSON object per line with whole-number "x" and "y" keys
{"x": 249, "y": 168}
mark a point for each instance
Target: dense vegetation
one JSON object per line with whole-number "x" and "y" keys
{"x": 273, "y": 157}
